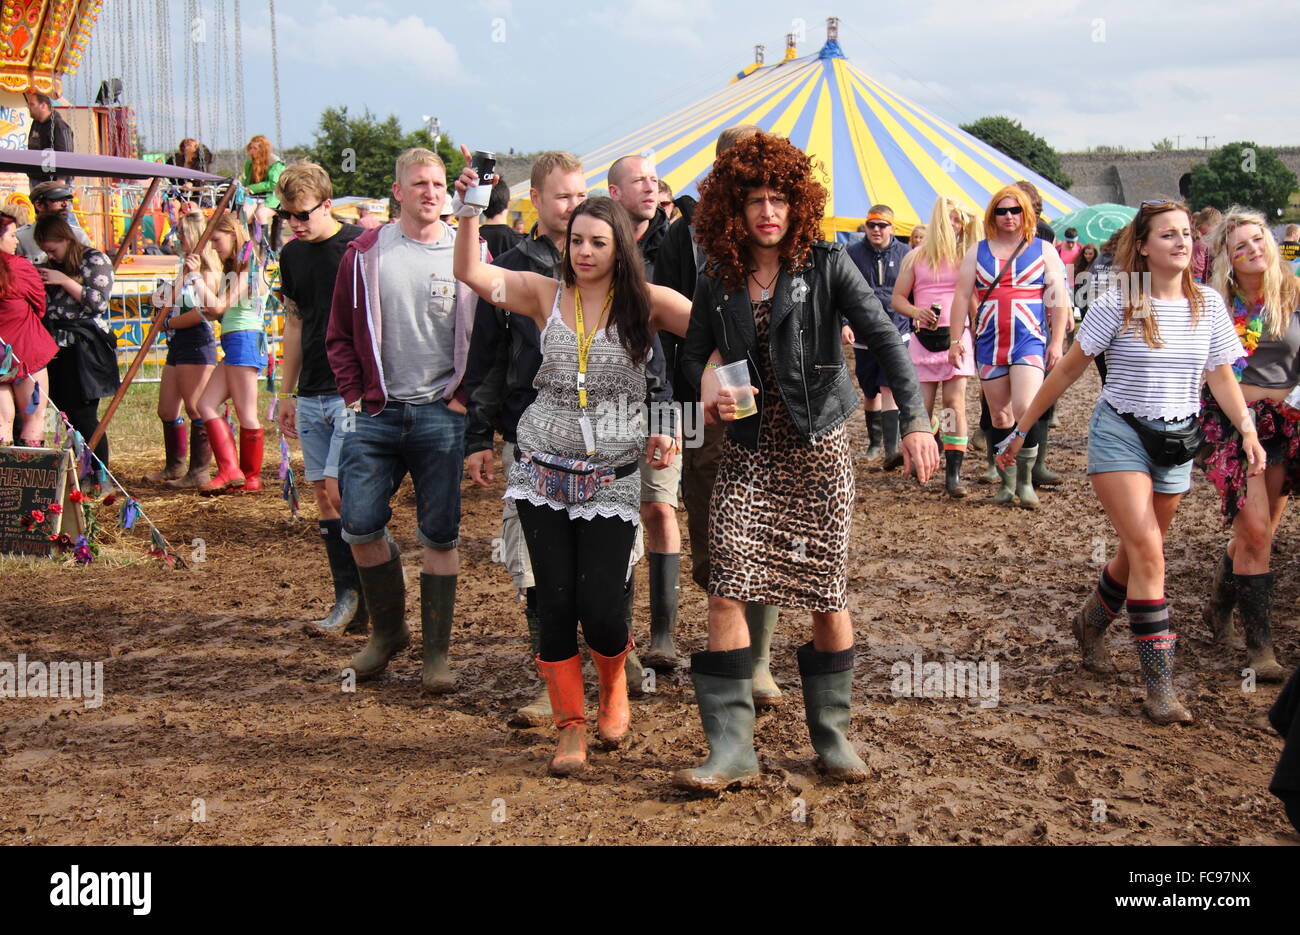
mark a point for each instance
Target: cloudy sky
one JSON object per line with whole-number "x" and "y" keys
{"x": 573, "y": 75}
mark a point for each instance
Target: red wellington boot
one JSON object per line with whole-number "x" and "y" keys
{"x": 250, "y": 457}
{"x": 222, "y": 442}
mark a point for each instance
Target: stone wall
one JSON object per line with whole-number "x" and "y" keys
{"x": 1131, "y": 178}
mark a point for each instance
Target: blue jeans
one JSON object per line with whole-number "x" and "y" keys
{"x": 320, "y": 433}
{"x": 427, "y": 441}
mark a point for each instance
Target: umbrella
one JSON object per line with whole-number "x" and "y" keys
{"x": 1095, "y": 223}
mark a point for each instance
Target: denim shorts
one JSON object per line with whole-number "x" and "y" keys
{"x": 244, "y": 348}
{"x": 1114, "y": 445}
{"x": 320, "y": 433}
{"x": 194, "y": 345}
{"x": 378, "y": 451}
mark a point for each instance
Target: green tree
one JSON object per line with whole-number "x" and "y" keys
{"x": 1009, "y": 137}
{"x": 1163, "y": 146}
{"x": 1242, "y": 174}
{"x": 359, "y": 152}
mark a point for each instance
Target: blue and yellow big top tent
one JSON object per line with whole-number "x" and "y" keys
{"x": 873, "y": 146}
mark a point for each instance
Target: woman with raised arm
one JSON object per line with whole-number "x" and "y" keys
{"x": 1162, "y": 333}
{"x": 577, "y": 481}
{"x": 1012, "y": 284}
{"x": 1264, "y": 297}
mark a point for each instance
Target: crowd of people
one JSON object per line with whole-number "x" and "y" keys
{"x": 411, "y": 345}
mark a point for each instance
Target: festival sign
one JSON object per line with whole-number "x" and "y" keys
{"x": 30, "y": 480}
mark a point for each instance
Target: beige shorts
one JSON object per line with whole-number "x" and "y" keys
{"x": 513, "y": 549}
{"x": 661, "y": 486}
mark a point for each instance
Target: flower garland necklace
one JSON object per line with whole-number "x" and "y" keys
{"x": 1249, "y": 323}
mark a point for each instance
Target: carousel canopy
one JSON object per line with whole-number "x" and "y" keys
{"x": 874, "y": 146}
{"x": 105, "y": 167}
{"x": 43, "y": 40}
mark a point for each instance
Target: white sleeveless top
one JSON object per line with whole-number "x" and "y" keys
{"x": 616, "y": 392}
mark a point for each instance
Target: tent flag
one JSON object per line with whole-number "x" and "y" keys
{"x": 869, "y": 144}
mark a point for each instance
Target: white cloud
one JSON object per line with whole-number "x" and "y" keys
{"x": 655, "y": 22}
{"x": 406, "y": 49}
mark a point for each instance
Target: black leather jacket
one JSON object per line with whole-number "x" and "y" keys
{"x": 804, "y": 344}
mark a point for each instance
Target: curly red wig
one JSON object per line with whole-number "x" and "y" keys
{"x": 760, "y": 160}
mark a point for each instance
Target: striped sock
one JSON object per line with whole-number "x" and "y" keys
{"x": 955, "y": 442}
{"x": 1111, "y": 592}
{"x": 1148, "y": 617}
{"x": 934, "y": 424}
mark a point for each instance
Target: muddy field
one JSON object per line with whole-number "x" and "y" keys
{"x": 221, "y": 704}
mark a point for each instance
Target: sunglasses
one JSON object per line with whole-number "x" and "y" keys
{"x": 284, "y": 215}
{"x": 1002, "y": 212}
{"x": 878, "y": 225}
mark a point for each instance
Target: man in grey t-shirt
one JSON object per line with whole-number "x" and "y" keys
{"x": 398, "y": 340}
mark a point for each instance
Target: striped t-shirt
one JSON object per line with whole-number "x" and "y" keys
{"x": 1159, "y": 382}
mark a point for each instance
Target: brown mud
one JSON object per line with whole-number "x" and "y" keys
{"x": 221, "y": 703}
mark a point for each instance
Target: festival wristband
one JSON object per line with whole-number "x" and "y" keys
{"x": 711, "y": 366}
{"x": 1006, "y": 442}
{"x": 286, "y": 395}
{"x": 1247, "y": 423}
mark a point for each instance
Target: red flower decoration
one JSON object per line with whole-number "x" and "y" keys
{"x": 38, "y": 516}
{"x": 110, "y": 499}
{"x": 55, "y": 508}
{"x": 76, "y": 496}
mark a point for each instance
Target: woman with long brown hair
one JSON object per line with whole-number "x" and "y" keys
{"x": 1264, "y": 298}
{"x": 78, "y": 282}
{"x": 771, "y": 301}
{"x": 243, "y": 344}
{"x": 1162, "y": 334}
{"x": 25, "y": 346}
{"x": 577, "y": 484}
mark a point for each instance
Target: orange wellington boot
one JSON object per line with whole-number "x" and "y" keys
{"x": 250, "y": 458}
{"x": 564, "y": 684}
{"x": 614, "y": 716}
{"x": 222, "y": 442}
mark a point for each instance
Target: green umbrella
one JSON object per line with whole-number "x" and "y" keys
{"x": 1095, "y": 223}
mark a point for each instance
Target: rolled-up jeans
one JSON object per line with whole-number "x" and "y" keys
{"x": 426, "y": 441}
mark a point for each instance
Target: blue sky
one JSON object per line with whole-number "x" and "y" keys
{"x": 574, "y": 75}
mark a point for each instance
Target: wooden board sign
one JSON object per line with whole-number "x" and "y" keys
{"x": 31, "y": 479}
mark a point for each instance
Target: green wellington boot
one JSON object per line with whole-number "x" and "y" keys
{"x": 1043, "y": 475}
{"x": 761, "y": 619}
{"x": 724, "y": 693}
{"x": 665, "y": 595}
{"x": 827, "y": 691}
{"x": 1025, "y": 459}
{"x": 537, "y": 713}
{"x": 384, "y": 589}
{"x": 437, "y": 611}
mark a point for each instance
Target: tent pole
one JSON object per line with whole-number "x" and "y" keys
{"x": 157, "y": 325}
{"x": 136, "y": 218}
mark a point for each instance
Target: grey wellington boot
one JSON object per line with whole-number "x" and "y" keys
{"x": 761, "y": 619}
{"x": 385, "y": 593}
{"x": 827, "y": 692}
{"x": 437, "y": 612}
{"x": 726, "y": 702}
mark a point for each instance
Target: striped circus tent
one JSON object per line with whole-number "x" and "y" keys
{"x": 873, "y": 146}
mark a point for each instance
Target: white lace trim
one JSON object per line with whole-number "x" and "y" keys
{"x": 1153, "y": 410}
{"x": 581, "y": 510}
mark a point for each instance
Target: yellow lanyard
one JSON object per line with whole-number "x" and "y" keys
{"x": 584, "y": 341}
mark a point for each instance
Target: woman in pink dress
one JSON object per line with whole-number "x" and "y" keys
{"x": 928, "y": 278}
{"x": 25, "y": 346}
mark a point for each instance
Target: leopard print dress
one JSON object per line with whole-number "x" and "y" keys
{"x": 779, "y": 518}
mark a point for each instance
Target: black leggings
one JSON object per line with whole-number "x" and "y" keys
{"x": 65, "y": 392}
{"x": 580, "y": 566}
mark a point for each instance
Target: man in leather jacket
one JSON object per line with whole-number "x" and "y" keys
{"x": 803, "y": 287}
